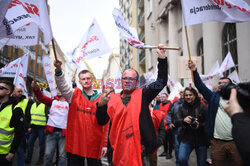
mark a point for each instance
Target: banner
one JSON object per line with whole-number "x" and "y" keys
{"x": 126, "y": 32}
{"x": 49, "y": 75}
{"x": 19, "y": 77}
{"x": 227, "y": 64}
{"x": 25, "y": 18}
{"x": 10, "y": 69}
{"x": 199, "y": 11}
{"x": 5, "y": 29}
{"x": 93, "y": 44}
{"x": 234, "y": 77}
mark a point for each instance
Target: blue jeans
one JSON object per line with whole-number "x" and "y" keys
{"x": 36, "y": 132}
{"x": 185, "y": 151}
{"x": 21, "y": 152}
{"x": 176, "y": 148}
{"x": 53, "y": 140}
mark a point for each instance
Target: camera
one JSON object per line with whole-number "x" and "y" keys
{"x": 242, "y": 89}
{"x": 193, "y": 122}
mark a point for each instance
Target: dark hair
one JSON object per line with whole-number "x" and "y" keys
{"x": 223, "y": 78}
{"x": 8, "y": 83}
{"x": 137, "y": 74}
{"x": 192, "y": 90}
{"x": 84, "y": 72}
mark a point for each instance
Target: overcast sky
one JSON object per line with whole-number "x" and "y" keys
{"x": 71, "y": 19}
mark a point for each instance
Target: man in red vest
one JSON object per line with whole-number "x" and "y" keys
{"x": 84, "y": 136}
{"x": 169, "y": 142}
{"x": 132, "y": 134}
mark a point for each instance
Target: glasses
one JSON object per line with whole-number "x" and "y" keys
{"x": 2, "y": 88}
{"x": 129, "y": 78}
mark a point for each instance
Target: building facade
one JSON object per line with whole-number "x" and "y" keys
{"x": 163, "y": 23}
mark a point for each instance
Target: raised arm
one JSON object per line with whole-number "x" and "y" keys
{"x": 40, "y": 96}
{"x": 202, "y": 88}
{"x": 155, "y": 88}
{"x": 66, "y": 90}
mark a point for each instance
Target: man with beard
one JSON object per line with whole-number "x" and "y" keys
{"x": 11, "y": 123}
{"x": 56, "y": 125}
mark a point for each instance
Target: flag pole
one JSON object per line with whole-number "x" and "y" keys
{"x": 167, "y": 48}
{"x": 37, "y": 52}
{"x": 189, "y": 53}
{"x": 117, "y": 63}
{"x": 54, "y": 48}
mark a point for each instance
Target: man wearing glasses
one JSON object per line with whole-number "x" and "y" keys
{"x": 132, "y": 135}
{"x": 11, "y": 123}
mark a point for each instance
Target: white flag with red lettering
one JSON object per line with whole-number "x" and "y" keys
{"x": 126, "y": 32}
{"x": 93, "y": 44}
{"x": 26, "y": 17}
{"x": 20, "y": 74}
{"x": 199, "y": 11}
{"x": 234, "y": 77}
{"x": 49, "y": 75}
{"x": 9, "y": 70}
{"x": 226, "y": 64}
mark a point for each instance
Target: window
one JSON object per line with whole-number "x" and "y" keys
{"x": 15, "y": 53}
{"x": 229, "y": 43}
{"x": 200, "y": 52}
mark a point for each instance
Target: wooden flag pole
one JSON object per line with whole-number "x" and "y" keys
{"x": 189, "y": 53}
{"x": 117, "y": 63}
{"x": 167, "y": 48}
{"x": 54, "y": 48}
{"x": 37, "y": 51}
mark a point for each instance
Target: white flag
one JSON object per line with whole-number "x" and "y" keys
{"x": 20, "y": 74}
{"x": 227, "y": 63}
{"x": 5, "y": 29}
{"x": 234, "y": 77}
{"x": 118, "y": 82}
{"x": 170, "y": 81}
{"x": 147, "y": 77}
{"x": 25, "y": 18}
{"x": 199, "y": 11}
{"x": 49, "y": 75}
{"x": 126, "y": 32}
{"x": 9, "y": 70}
{"x": 93, "y": 44}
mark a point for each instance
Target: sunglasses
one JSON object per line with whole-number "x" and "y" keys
{"x": 2, "y": 87}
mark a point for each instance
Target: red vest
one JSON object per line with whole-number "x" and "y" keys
{"x": 84, "y": 134}
{"x": 157, "y": 118}
{"x": 164, "y": 110}
{"x": 125, "y": 138}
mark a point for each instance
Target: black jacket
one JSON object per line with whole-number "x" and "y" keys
{"x": 196, "y": 137}
{"x": 147, "y": 130}
{"x": 241, "y": 135}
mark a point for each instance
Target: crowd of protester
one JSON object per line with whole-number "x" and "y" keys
{"x": 79, "y": 126}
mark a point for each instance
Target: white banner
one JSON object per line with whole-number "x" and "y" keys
{"x": 5, "y": 29}
{"x": 10, "y": 69}
{"x": 126, "y": 32}
{"x": 49, "y": 75}
{"x": 199, "y": 11}
{"x": 20, "y": 74}
{"x": 234, "y": 77}
{"x": 226, "y": 64}
{"x": 93, "y": 44}
{"x": 25, "y": 18}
